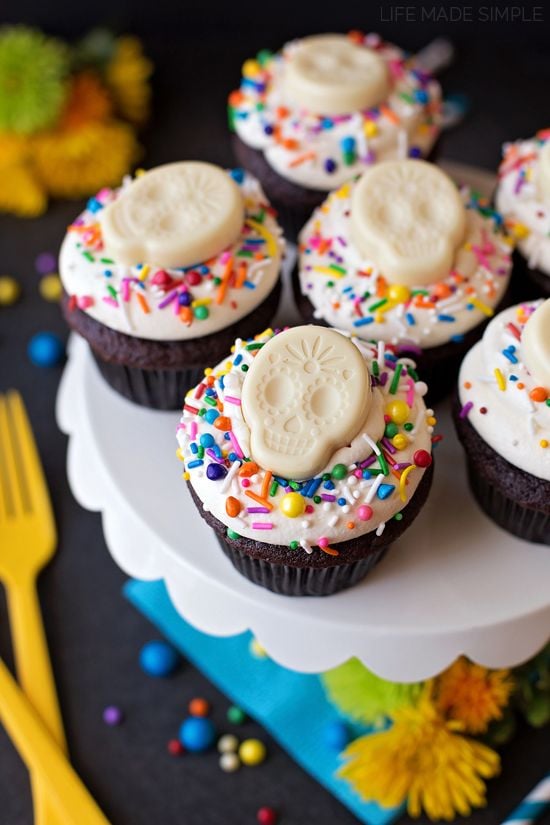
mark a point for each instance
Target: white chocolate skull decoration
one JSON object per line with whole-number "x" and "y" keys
{"x": 175, "y": 215}
{"x": 535, "y": 345}
{"x": 306, "y": 395}
{"x": 543, "y": 174}
{"x": 330, "y": 75}
{"x": 408, "y": 218}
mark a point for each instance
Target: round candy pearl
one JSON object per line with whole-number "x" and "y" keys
{"x": 422, "y": 458}
{"x": 158, "y": 658}
{"x": 339, "y": 471}
{"x": 336, "y": 735}
{"x": 236, "y": 715}
{"x": 364, "y": 512}
{"x": 112, "y": 715}
{"x": 399, "y": 293}
{"x": 266, "y": 816}
{"x": 400, "y": 441}
{"x": 330, "y": 166}
{"x": 197, "y": 734}
{"x": 215, "y": 471}
{"x": 252, "y": 752}
{"x": 45, "y": 263}
{"x": 207, "y": 440}
{"x": 9, "y": 291}
{"x": 398, "y": 411}
{"x": 50, "y": 287}
{"x": 201, "y": 313}
{"x": 292, "y": 505}
{"x": 193, "y": 278}
{"x": 229, "y": 762}
{"x": 228, "y": 743}
{"x": 174, "y": 747}
{"x": 199, "y": 707}
{"x": 45, "y": 349}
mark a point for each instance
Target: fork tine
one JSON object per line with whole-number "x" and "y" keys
{"x": 11, "y": 489}
{"x": 33, "y": 474}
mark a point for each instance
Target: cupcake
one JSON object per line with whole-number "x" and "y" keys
{"x": 308, "y": 452}
{"x": 523, "y": 198}
{"x": 503, "y": 420}
{"x": 161, "y": 275}
{"x": 323, "y": 109}
{"x": 401, "y": 255}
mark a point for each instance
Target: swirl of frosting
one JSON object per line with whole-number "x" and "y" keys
{"x": 397, "y": 107}
{"x": 365, "y": 483}
{"x": 523, "y": 197}
{"x": 167, "y": 303}
{"x": 502, "y": 399}
{"x": 351, "y": 292}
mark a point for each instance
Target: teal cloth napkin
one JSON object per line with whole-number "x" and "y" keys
{"x": 291, "y": 706}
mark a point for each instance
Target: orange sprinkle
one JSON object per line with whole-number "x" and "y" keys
{"x": 302, "y": 159}
{"x": 330, "y": 551}
{"x": 241, "y": 275}
{"x": 468, "y": 385}
{"x": 520, "y": 385}
{"x": 290, "y": 143}
{"x": 350, "y": 525}
{"x": 281, "y": 112}
{"x": 220, "y": 295}
{"x": 249, "y": 468}
{"x": 538, "y": 394}
{"x": 222, "y": 423}
{"x": 232, "y": 506}
{"x": 389, "y": 114}
{"x": 236, "y": 97}
{"x": 265, "y": 484}
{"x": 185, "y": 315}
{"x": 442, "y": 290}
{"x": 143, "y": 303}
{"x": 263, "y": 501}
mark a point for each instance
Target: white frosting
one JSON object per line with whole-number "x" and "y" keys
{"x": 521, "y": 200}
{"x": 336, "y": 279}
{"x": 328, "y": 519}
{"x": 408, "y": 119}
{"x": 513, "y": 423}
{"x": 108, "y": 291}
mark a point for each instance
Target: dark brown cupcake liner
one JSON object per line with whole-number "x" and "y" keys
{"x": 294, "y": 203}
{"x": 528, "y": 284}
{"x": 300, "y": 581}
{"x": 526, "y": 523}
{"x": 157, "y": 389}
{"x": 438, "y": 366}
{"x": 513, "y": 498}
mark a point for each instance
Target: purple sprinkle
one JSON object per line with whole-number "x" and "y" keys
{"x": 383, "y": 379}
{"x": 257, "y": 510}
{"x": 112, "y": 715}
{"x": 327, "y": 497}
{"x": 168, "y": 300}
{"x": 388, "y": 445}
{"x": 402, "y": 466}
{"x": 45, "y": 263}
{"x": 213, "y": 455}
{"x": 368, "y": 461}
{"x": 466, "y": 409}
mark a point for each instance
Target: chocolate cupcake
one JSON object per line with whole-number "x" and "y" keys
{"x": 161, "y": 275}
{"x": 402, "y": 255}
{"x": 502, "y": 416}
{"x": 523, "y": 198}
{"x": 323, "y": 109}
{"x": 308, "y": 452}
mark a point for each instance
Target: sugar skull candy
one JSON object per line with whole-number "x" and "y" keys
{"x": 408, "y": 218}
{"x": 306, "y": 394}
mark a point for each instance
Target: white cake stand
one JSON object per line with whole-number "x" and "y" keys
{"x": 454, "y": 583}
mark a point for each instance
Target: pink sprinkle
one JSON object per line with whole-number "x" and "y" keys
{"x": 322, "y": 542}
{"x": 262, "y": 525}
{"x": 232, "y": 400}
{"x": 125, "y": 289}
{"x": 224, "y": 257}
{"x": 236, "y": 445}
{"x": 84, "y": 301}
{"x": 110, "y": 300}
{"x": 193, "y": 430}
{"x": 410, "y": 392}
{"x": 245, "y": 482}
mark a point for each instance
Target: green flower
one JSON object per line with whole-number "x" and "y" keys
{"x": 364, "y": 697}
{"x": 33, "y": 68}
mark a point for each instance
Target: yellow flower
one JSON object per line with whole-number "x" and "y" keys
{"x": 88, "y": 101}
{"x": 76, "y": 163}
{"x": 424, "y": 760}
{"x": 20, "y": 192}
{"x": 127, "y": 76}
{"x": 473, "y": 695}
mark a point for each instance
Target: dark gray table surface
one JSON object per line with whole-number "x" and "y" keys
{"x": 94, "y": 635}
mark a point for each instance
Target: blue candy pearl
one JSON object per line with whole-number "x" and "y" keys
{"x": 330, "y": 166}
{"x": 336, "y": 735}
{"x": 158, "y": 658}
{"x": 215, "y": 472}
{"x": 197, "y": 734}
{"x": 237, "y": 175}
{"x": 45, "y": 349}
{"x": 207, "y": 440}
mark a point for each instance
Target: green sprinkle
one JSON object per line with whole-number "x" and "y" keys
{"x": 235, "y": 715}
{"x": 88, "y": 256}
{"x": 391, "y": 430}
{"x": 264, "y": 56}
{"x": 202, "y": 411}
{"x": 419, "y": 292}
{"x": 375, "y": 368}
{"x": 209, "y": 400}
{"x": 395, "y": 380}
{"x": 407, "y": 98}
{"x": 378, "y": 304}
{"x": 231, "y": 534}
{"x": 112, "y": 291}
{"x": 382, "y": 461}
{"x": 317, "y": 499}
{"x": 201, "y": 313}
{"x": 326, "y": 476}
{"x": 217, "y": 281}
{"x": 342, "y": 270}
{"x": 200, "y": 452}
{"x": 244, "y": 368}
{"x": 106, "y": 261}
{"x": 294, "y": 485}
{"x": 412, "y": 373}
{"x": 244, "y": 253}
{"x": 408, "y": 426}
{"x": 254, "y": 346}
{"x": 294, "y": 545}
{"x": 273, "y": 488}
{"x": 260, "y": 217}
{"x": 330, "y": 284}
{"x": 339, "y": 471}
{"x": 398, "y": 516}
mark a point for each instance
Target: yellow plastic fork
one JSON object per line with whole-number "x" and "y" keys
{"x": 27, "y": 543}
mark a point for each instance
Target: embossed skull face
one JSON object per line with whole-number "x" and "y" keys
{"x": 175, "y": 215}
{"x": 331, "y": 75}
{"x": 306, "y": 394}
{"x": 408, "y": 218}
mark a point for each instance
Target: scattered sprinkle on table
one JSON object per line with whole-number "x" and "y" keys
{"x": 159, "y": 658}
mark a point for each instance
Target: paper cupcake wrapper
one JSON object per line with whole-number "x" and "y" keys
{"x": 528, "y": 284}
{"x": 301, "y": 581}
{"x": 525, "y": 522}
{"x": 157, "y": 389}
